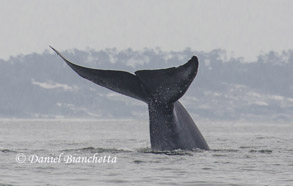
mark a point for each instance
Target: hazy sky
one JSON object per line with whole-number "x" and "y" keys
{"x": 245, "y": 27}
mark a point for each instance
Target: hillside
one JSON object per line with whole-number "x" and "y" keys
{"x": 43, "y": 86}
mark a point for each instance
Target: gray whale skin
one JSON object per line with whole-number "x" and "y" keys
{"x": 171, "y": 127}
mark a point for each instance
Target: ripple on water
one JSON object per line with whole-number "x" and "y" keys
{"x": 3, "y": 184}
{"x": 246, "y": 147}
{"x": 138, "y": 161}
{"x": 261, "y": 151}
{"x": 224, "y": 150}
{"x": 7, "y": 151}
{"x": 98, "y": 150}
{"x": 177, "y": 152}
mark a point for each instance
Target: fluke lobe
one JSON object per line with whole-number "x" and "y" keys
{"x": 171, "y": 127}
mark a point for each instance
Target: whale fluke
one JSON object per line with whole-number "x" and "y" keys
{"x": 119, "y": 81}
{"x": 171, "y": 127}
{"x": 169, "y": 85}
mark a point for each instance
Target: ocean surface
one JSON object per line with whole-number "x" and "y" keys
{"x": 117, "y": 152}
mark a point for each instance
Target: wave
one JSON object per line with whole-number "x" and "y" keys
{"x": 140, "y": 150}
{"x": 98, "y": 150}
{"x": 224, "y": 150}
{"x": 1, "y": 184}
{"x": 6, "y": 151}
{"x": 172, "y": 152}
{"x": 265, "y": 151}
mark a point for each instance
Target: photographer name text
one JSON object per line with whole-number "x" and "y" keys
{"x": 65, "y": 158}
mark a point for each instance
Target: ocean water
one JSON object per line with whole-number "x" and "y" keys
{"x": 117, "y": 152}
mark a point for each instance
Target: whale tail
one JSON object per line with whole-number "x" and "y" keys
{"x": 169, "y": 85}
{"x": 162, "y": 85}
{"x": 119, "y": 81}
